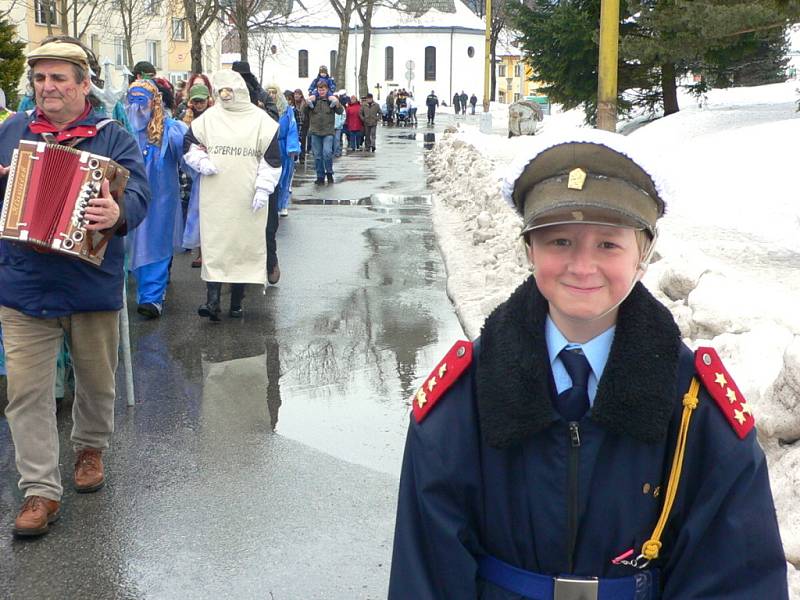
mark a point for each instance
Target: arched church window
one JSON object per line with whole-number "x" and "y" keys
{"x": 470, "y": 51}
{"x": 389, "y": 62}
{"x": 302, "y": 63}
{"x": 332, "y": 66}
{"x": 430, "y": 63}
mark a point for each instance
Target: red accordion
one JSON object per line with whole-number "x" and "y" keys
{"x": 49, "y": 187}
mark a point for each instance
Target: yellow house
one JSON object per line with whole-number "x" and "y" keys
{"x": 161, "y": 35}
{"x": 514, "y": 78}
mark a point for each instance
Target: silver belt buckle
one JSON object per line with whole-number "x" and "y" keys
{"x": 575, "y": 589}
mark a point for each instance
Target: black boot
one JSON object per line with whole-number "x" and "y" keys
{"x": 211, "y": 308}
{"x": 237, "y": 295}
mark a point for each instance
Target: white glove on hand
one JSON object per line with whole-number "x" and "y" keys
{"x": 334, "y": 100}
{"x": 206, "y": 167}
{"x": 260, "y": 200}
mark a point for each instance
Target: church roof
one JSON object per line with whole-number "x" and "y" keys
{"x": 395, "y": 13}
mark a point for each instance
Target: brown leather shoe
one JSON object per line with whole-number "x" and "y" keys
{"x": 89, "y": 475}
{"x": 35, "y": 516}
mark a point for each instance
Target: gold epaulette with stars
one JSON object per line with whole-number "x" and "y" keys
{"x": 446, "y": 373}
{"x": 723, "y": 389}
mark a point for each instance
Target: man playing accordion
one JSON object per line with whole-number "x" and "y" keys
{"x": 45, "y": 295}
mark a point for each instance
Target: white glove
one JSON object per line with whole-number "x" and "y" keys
{"x": 206, "y": 167}
{"x": 334, "y": 100}
{"x": 197, "y": 158}
{"x": 260, "y": 200}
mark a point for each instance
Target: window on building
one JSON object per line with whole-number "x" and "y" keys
{"x": 501, "y": 70}
{"x": 518, "y": 70}
{"x": 332, "y": 66}
{"x": 302, "y": 63}
{"x": 94, "y": 44}
{"x": 273, "y": 49}
{"x": 119, "y": 52}
{"x": 430, "y": 63}
{"x": 517, "y": 97}
{"x": 152, "y": 7}
{"x": 45, "y": 12}
{"x": 153, "y": 52}
{"x": 388, "y": 61}
{"x": 179, "y": 29}
{"x": 470, "y": 51}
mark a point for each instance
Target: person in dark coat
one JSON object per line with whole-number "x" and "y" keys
{"x": 473, "y": 100}
{"x": 431, "y": 102}
{"x": 578, "y": 449}
{"x": 45, "y": 296}
{"x": 457, "y": 103}
{"x": 463, "y": 99}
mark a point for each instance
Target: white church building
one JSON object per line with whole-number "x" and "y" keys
{"x": 441, "y": 49}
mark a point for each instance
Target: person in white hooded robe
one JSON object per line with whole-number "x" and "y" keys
{"x": 234, "y": 146}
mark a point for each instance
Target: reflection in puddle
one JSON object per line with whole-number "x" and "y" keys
{"x": 430, "y": 141}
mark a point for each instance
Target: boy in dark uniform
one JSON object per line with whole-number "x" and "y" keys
{"x": 579, "y": 450}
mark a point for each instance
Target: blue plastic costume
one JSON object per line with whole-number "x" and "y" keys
{"x": 152, "y": 243}
{"x": 289, "y": 142}
{"x": 191, "y": 231}
{"x": 496, "y": 486}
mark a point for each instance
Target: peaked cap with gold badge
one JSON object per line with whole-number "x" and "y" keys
{"x": 586, "y": 176}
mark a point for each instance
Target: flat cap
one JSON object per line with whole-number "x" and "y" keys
{"x": 199, "y": 91}
{"x": 59, "y": 51}
{"x": 588, "y": 176}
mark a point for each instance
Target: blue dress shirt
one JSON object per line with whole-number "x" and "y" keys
{"x": 596, "y": 351}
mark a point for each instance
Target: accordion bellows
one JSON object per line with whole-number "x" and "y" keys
{"x": 49, "y": 187}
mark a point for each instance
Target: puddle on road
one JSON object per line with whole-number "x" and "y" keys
{"x": 339, "y": 379}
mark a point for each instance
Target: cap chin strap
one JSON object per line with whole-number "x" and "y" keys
{"x": 645, "y": 260}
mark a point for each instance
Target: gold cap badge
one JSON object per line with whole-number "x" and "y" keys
{"x": 577, "y": 177}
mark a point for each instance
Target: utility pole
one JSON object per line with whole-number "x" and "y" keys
{"x": 486, "y": 116}
{"x": 607, "y": 67}
{"x": 487, "y": 72}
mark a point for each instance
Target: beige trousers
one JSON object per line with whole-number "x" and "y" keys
{"x": 32, "y": 345}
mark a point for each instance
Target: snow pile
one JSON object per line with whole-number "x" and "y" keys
{"x": 726, "y": 263}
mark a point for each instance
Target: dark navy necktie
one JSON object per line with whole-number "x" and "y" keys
{"x": 573, "y": 403}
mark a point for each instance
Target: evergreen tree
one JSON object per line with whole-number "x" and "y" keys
{"x": 560, "y": 42}
{"x": 721, "y": 40}
{"x": 12, "y": 61}
{"x": 727, "y": 42}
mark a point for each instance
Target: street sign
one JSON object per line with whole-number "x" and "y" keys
{"x": 410, "y": 75}
{"x": 410, "y": 65}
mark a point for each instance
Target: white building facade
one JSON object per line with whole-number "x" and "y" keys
{"x": 444, "y": 50}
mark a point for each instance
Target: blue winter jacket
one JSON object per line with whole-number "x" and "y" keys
{"x": 52, "y": 285}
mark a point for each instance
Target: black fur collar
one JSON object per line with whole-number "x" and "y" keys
{"x": 636, "y": 394}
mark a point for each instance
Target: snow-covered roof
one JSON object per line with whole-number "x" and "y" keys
{"x": 397, "y": 13}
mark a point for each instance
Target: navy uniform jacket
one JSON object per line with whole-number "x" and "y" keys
{"x": 487, "y": 471}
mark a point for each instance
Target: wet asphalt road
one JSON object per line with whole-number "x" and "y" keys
{"x": 262, "y": 456}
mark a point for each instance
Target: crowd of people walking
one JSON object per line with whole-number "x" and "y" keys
{"x": 211, "y": 162}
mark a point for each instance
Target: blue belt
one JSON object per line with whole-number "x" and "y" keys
{"x": 641, "y": 586}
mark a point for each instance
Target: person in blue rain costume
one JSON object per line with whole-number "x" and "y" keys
{"x": 289, "y": 141}
{"x": 578, "y": 450}
{"x": 151, "y": 245}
